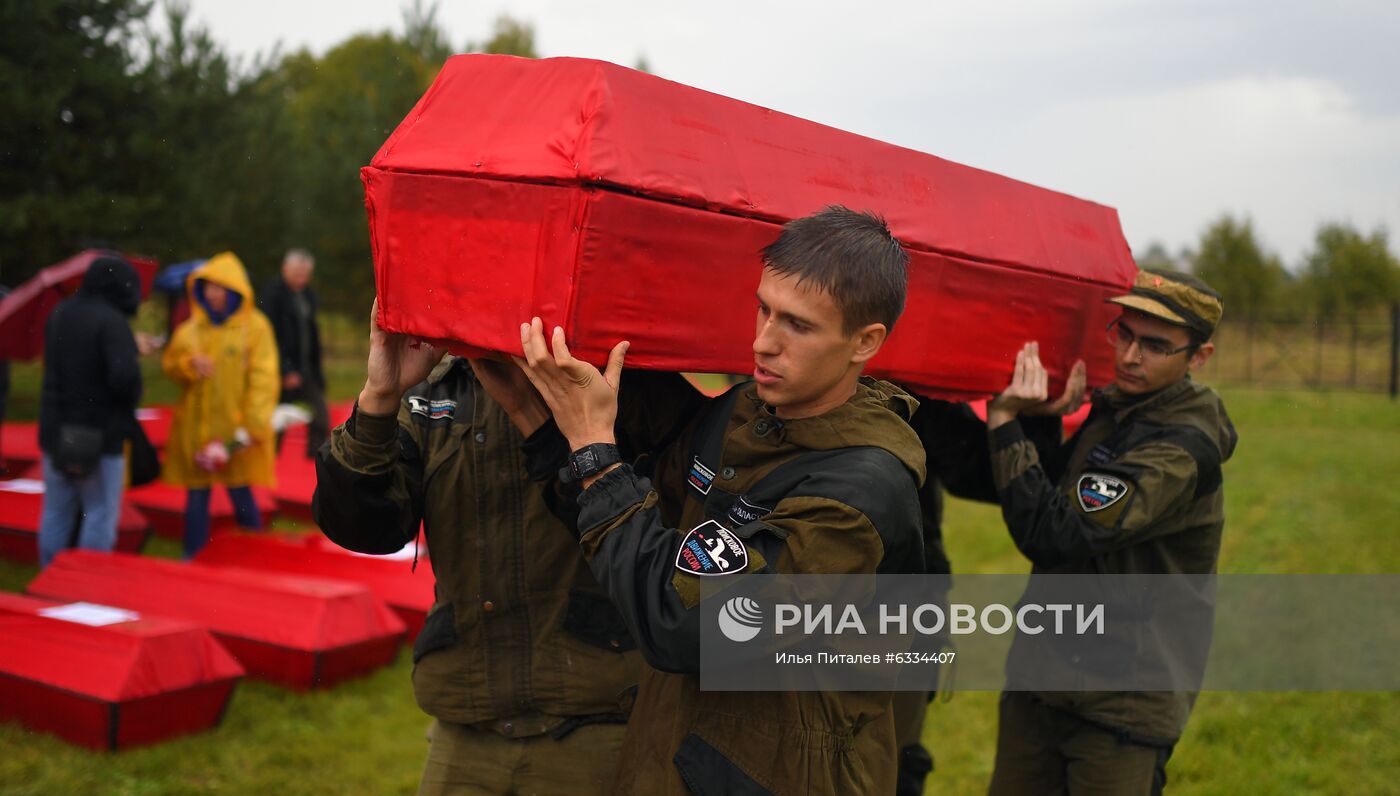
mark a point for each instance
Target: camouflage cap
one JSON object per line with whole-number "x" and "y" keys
{"x": 1176, "y": 298}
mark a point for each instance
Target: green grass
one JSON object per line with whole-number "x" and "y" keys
{"x": 1309, "y": 490}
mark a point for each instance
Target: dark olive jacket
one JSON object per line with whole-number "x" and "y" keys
{"x": 855, "y": 510}
{"x": 520, "y": 636}
{"x": 1137, "y": 491}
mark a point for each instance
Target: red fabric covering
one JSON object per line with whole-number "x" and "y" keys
{"x": 392, "y": 579}
{"x": 19, "y": 446}
{"x": 621, "y": 205}
{"x": 165, "y": 506}
{"x": 112, "y": 686}
{"x": 25, "y": 310}
{"x": 298, "y": 631}
{"x": 21, "y": 506}
{"x": 296, "y": 483}
{"x": 296, "y": 477}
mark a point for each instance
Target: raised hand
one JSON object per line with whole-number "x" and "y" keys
{"x": 583, "y": 400}
{"x": 1028, "y": 392}
{"x": 396, "y": 363}
{"x": 1070, "y": 400}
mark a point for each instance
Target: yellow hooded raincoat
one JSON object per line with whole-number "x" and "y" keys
{"x": 242, "y": 392}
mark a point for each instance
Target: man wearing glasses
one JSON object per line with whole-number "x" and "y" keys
{"x": 1136, "y": 491}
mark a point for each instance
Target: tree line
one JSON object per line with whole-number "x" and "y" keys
{"x": 1345, "y": 274}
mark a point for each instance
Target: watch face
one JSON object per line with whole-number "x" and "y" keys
{"x": 585, "y": 462}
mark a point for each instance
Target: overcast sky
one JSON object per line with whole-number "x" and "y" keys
{"x": 1172, "y": 111}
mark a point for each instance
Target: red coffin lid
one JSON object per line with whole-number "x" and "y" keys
{"x": 393, "y": 579}
{"x": 580, "y": 121}
{"x": 490, "y": 152}
{"x": 22, "y": 505}
{"x": 286, "y": 610}
{"x": 126, "y": 660}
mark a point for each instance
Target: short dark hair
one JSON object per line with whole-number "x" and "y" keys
{"x": 850, "y": 255}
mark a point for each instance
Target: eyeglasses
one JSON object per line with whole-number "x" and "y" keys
{"x": 1150, "y": 347}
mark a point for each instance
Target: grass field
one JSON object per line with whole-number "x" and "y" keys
{"x": 1311, "y": 489}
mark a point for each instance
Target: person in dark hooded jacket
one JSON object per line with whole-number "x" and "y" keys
{"x": 92, "y": 383}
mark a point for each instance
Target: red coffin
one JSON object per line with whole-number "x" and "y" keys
{"x": 19, "y": 446}
{"x": 165, "y": 506}
{"x": 109, "y": 686}
{"x": 404, "y": 588}
{"x": 624, "y": 206}
{"x": 22, "y": 504}
{"x": 300, "y": 632}
{"x": 296, "y": 478}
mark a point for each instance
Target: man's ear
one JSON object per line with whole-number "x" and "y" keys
{"x": 1202, "y": 355}
{"x": 868, "y": 339}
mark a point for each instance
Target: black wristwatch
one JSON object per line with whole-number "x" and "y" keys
{"x": 590, "y": 460}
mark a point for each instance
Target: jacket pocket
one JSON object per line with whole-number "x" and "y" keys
{"x": 706, "y": 771}
{"x": 593, "y": 619}
{"x": 439, "y": 632}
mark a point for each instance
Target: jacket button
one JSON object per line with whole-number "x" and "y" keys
{"x": 488, "y": 606}
{"x": 508, "y": 728}
{"x": 481, "y": 437}
{"x": 761, "y": 427}
{"x": 727, "y": 473}
{"x": 614, "y": 643}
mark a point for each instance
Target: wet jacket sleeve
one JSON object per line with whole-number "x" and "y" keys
{"x": 369, "y": 483}
{"x": 632, "y": 554}
{"x": 1106, "y": 508}
{"x": 654, "y": 409}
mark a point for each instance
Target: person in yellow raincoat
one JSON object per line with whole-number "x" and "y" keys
{"x": 224, "y": 357}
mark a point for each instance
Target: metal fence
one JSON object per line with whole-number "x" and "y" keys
{"x": 1360, "y": 354}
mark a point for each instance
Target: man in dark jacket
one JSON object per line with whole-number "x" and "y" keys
{"x": 809, "y": 469}
{"x": 290, "y": 304}
{"x": 92, "y": 383}
{"x": 524, "y": 665}
{"x": 1137, "y": 491}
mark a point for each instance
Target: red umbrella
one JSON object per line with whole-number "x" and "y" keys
{"x": 23, "y": 312}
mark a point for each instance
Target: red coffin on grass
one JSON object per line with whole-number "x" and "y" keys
{"x": 22, "y": 504}
{"x": 296, "y": 480}
{"x": 165, "y": 506}
{"x": 96, "y": 678}
{"x": 408, "y": 591}
{"x": 298, "y": 631}
{"x": 624, "y": 206}
{"x": 19, "y": 447}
